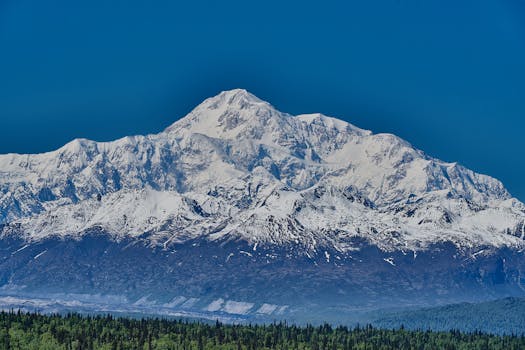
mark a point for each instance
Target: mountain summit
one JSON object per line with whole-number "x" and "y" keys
{"x": 235, "y": 172}
{"x": 235, "y": 166}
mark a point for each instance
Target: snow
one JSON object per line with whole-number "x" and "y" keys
{"x": 189, "y": 303}
{"x": 60, "y": 303}
{"x": 478, "y": 253}
{"x": 175, "y": 302}
{"x": 215, "y": 305}
{"x": 390, "y": 261}
{"x": 237, "y": 167}
{"x": 20, "y": 249}
{"x": 282, "y": 309}
{"x": 267, "y": 309}
{"x": 237, "y": 307}
{"x": 143, "y": 301}
{"x": 39, "y": 255}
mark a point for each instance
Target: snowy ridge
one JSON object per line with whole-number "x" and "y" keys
{"x": 236, "y": 167}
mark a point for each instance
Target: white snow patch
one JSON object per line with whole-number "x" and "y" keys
{"x": 144, "y": 301}
{"x": 477, "y": 253}
{"x": 39, "y": 255}
{"x": 189, "y": 303}
{"x": 215, "y": 305}
{"x": 20, "y": 249}
{"x": 237, "y": 307}
{"x": 390, "y": 261}
{"x": 175, "y": 301}
{"x": 282, "y": 309}
{"x": 267, "y": 309}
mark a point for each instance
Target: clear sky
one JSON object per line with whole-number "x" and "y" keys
{"x": 446, "y": 75}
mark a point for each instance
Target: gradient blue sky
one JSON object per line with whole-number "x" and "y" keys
{"x": 447, "y": 75}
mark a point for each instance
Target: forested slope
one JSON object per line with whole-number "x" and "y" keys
{"x": 35, "y": 331}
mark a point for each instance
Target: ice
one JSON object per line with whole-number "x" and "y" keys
{"x": 235, "y": 167}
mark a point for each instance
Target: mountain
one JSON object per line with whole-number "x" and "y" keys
{"x": 244, "y": 210}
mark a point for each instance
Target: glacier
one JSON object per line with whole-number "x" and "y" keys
{"x": 235, "y": 166}
{"x": 239, "y": 182}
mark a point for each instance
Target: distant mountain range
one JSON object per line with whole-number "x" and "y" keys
{"x": 239, "y": 210}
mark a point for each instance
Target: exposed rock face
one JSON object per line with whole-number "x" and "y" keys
{"x": 237, "y": 197}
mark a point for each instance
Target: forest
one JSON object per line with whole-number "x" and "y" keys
{"x": 502, "y": 316}
{"x": 20, "y": 330}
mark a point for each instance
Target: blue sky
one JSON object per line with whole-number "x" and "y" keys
{"x": 448, "y": 76}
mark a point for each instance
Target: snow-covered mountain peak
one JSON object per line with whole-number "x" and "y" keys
{"x": 239, "y": 97}
{"x": 326, "y": 122}
{"x": 237, "y": 166}
{"x": 236, "y": 99}
{"x": 231, "y": 114}
{"x": 78, "y": 146}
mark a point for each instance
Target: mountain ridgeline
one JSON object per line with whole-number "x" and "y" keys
{"x": 240, "y": 211}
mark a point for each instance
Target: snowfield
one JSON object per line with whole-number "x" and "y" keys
{"x": 235, "y": 167}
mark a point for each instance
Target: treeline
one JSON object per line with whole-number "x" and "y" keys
{"x": 504, "y": 316}
{"x": 35, "y": 331}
